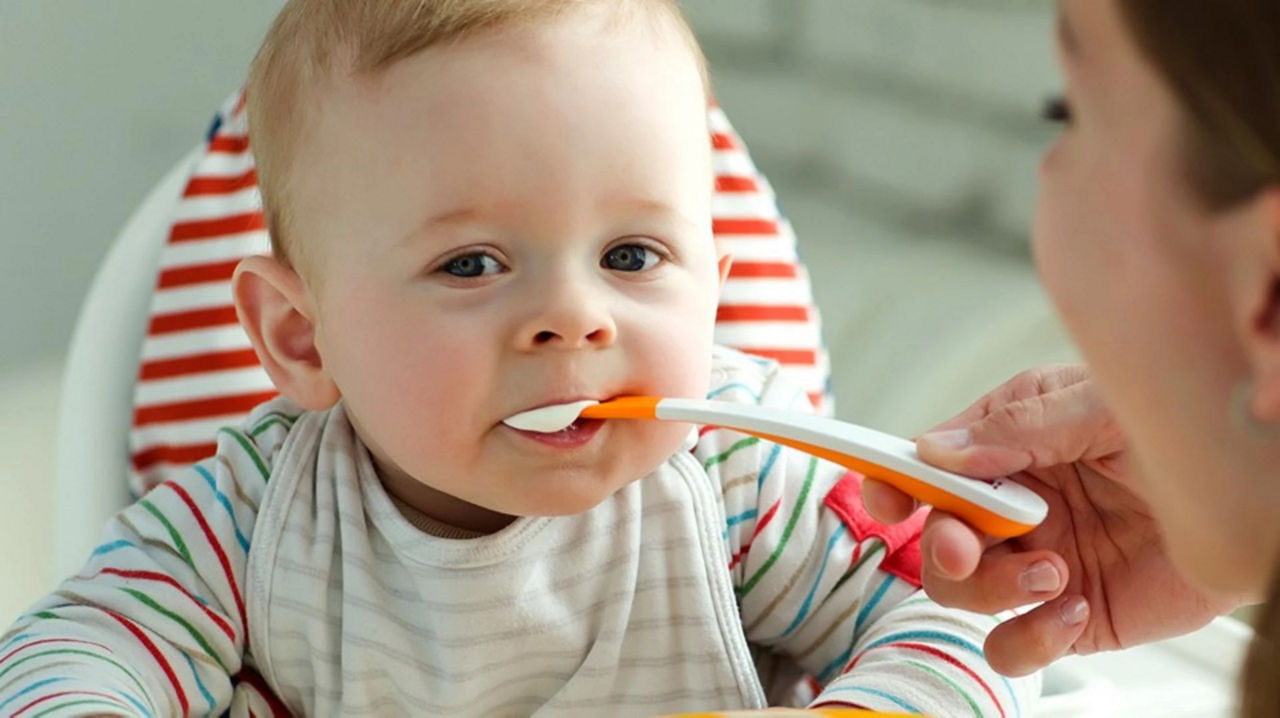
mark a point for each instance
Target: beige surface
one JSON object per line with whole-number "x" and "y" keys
{"x": 28, "y": 406}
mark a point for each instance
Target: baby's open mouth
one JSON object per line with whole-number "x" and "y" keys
{"x": 549, "y": 419}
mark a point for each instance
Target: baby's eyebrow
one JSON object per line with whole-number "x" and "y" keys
{"x": 650, "y": 207}
{"x": 450, "y": 218}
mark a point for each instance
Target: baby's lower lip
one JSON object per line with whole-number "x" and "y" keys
{"x": 580, "y": 433}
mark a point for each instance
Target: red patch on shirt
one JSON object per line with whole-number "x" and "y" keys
{"x": 902, "y": 540}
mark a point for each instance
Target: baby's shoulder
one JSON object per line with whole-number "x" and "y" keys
{"x": 253, "y": 446}
{"x": 744, "y": 379}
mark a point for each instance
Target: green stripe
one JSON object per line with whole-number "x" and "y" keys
{"x": 80, "y": 652}
{"x": 915, "y": 601}
{"x": 249, "y": 449}
{"x": 786, "y": 533}
{"x": 46, "y": 614}
{"x": 925, "y": 599}
{"x": 173, "y": 533}
{"x": 272, "y": 419}
{"x": 973, "y": 705}
{"x": 738, "y": 446}
{"x": 867, "y": 554}
{"x": 144, "y": 598}
{"x": 86, "y": 701}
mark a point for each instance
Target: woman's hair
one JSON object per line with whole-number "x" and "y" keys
{"x": 1222, "y": 60}
{"x": 313, "y": 42}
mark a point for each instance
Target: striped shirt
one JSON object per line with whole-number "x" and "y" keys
{"x": 279, "y": 577}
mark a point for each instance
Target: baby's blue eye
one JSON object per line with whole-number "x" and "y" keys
{"x": 472, "y": 265}
{"x": 629, "y": 258}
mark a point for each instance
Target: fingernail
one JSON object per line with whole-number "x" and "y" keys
{"x": 1040, "y": 577}
{"x": 1074, "y": 611}
{"x": 954, "y": 440}
{"x": 937, "y": 565}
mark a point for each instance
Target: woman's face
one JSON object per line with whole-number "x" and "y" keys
{"x": 1161, "y": 295}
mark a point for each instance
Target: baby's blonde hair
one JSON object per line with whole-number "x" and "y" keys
{"x": 312, "y": 41}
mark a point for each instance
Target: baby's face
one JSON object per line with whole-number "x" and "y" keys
{"x": 507, "y": 223}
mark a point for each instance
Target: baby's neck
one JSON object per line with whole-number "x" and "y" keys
{"x": 432, "y": 526}
{"x": 440, "y": 511}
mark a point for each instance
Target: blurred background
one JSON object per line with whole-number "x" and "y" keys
{"x": 901, "y": 136}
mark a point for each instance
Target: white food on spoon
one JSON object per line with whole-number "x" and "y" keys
{"x": 549, "y": 419}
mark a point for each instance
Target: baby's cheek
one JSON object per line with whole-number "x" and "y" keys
{"x": 646, "y": 445}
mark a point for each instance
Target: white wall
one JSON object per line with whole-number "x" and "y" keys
{"x": 97, "y": 99}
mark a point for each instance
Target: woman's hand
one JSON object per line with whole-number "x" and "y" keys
{"x": 1098, "y": 561}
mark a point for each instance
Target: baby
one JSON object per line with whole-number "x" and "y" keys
{"x": 478, "y": 208}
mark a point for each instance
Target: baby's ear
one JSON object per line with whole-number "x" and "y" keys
{"x": 278, "y": 315}
{"x": 725, "y": 262}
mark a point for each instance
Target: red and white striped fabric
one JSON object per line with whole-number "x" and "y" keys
{"x": 198, "y": 371}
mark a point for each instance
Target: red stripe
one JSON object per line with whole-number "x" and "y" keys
{"x": 744, "y": 226}
{"x": 200, "y": 408}
{"x": 179, "y": 455}
{"x": 731, "y": 183}
{"x": 25, "y": 646}
{"x": 815, "y": 398}
{"x": 155, "y": 654}
{"x": 198, "y": 186}
{"x": 198, "y": 364}
{"x": 937, "y": 654}
{"x": 784, "y": 356}
{"x": 278, "y": 708}
{"x": 763, "y": 270}
{"x": 723, "y": 141}
{"x": 240, "y": 102}
{"x": 217, "y": 550}
{"x": 168, "y": 580}
{"x": 764, "y": 521}
{"x": 761, "y": 313}
{"x": 194, "y": 319}
{"x": 221, "y": 227}
{"x": 60, "y": 694}
{"x": 197, "y": 274}
{"x": 229, "y": 144}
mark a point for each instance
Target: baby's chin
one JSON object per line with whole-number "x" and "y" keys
{"x": 577, "y": 489}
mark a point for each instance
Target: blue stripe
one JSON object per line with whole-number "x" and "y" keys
{"x": 929, "y": 636}
{"x": 744, "y": 516}
{"x": 878, "y": 694}
{"x": 729, "y": 387}
{"x": 834, "y": 666}
{"x": 15, "y": 639}
{"x": 226, "y": 503}
{"x": 50, "y": 681}
{"x": 32, "y": 687}
{"x": 107, "y": 548}
{"x": 200, "y": 684}
{"x": 213, "y": 128}
{"x": 870, "y": 606}
{"x": 135, "y": 702}
{"x": 808, "y": 600}
{"x": 768, "y": 464}
{"x": 953, "y": 640}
